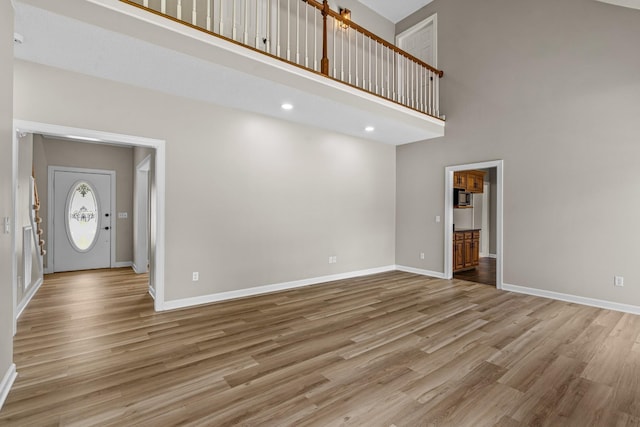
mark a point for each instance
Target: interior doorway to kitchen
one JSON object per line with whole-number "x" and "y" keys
{"x": 473, "y": 222}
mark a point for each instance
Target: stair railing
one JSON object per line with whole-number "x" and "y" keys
{"x": 309, "y": 34}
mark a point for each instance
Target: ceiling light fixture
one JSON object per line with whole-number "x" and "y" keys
{"x": 369, "y": 129}
{"x": 287, "y": 106}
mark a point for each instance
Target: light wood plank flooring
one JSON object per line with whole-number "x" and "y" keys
{"x": 392, "y": 349}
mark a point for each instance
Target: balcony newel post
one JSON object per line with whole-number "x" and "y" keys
{"x": 324, "y": 63}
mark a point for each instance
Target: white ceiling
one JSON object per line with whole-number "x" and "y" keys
{"x": 139, "y": 50}
{"x": 395, "y": 11}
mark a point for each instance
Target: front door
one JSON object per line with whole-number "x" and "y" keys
{"x": 81, "y": 220}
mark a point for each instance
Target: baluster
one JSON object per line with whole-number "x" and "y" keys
{"x": 306, "y": 35}
{"x": 194, "y": 13}
{"x": 297, "y": 32}
{"x": 145, "y": 3}
{"x": 370, "y": 75}
{"x": 315, "y": 40}
{"x": 288, "y": 30}
{"x": 335, "y": 36}
{"x": 257, "y": 41}
{"x": 356, "y": 57}
{"x": 278, "y": 29}
{"x": 364, "y": 61}
{"x": 430, "y": 92}
{"x": 163, "y": 6}
{"x": 221, "y": 18}
{"x": 268, "y": 27}
{"x": 179, "y": 9}
{"x": 342, "y": 30}
{"x": 349, "y": 50}
{"x": 234, "y": 17}
{"x": 436, "y": 81}
{"x": 375, "y": 49}
{"x": 382, "y": 75}
{"x": 245, "y": 25}
{"x": 209, "y": 15}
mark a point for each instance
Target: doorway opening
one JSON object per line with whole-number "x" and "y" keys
{"x": 474, "y": 222}
{"x": 156, "y": 197}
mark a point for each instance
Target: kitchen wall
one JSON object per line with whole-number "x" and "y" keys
{"x": 552, "y": 88}
{"x": 250, "y": 200}
{"x": 55, "y": 152}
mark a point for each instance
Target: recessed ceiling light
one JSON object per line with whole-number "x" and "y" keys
{"x": 369, "y": 129}
{"x": 287, "y": 106}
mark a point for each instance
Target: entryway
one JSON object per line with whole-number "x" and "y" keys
{"x": 80, "y": 227}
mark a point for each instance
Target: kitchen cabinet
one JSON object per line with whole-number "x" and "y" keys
{"x": 466, "y": 249}
{"x": 471, "y": 181}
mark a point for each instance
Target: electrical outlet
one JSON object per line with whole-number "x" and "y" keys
{"x": 123, "y": 215}
{"x": 421, "y": 255}
{"x": 195, "y": 276}
{"x": 333, "y": 259}
{"x": 618, "y": 281}
{"x": 437, "y": 218}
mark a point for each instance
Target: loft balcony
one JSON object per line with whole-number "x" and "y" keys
{"x": 250, "y": 55}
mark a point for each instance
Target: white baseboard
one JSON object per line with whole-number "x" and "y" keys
{"x": 7, "y": 382}
{"x": 122, "y": 264}
{"x": 609, "y": 305}
{"x": 138, "y": 270}
{"x": 436, "y": 274}
{"x": 494, "y": 256}
{"x": 27, "y": 298}
{"x": 152, "y": 292}
{"x": 258, "y": 290}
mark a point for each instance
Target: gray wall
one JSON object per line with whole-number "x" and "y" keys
{"x": 250, "y": 200}
{"x": 551, "y": 87}
{"x": 6, "y": 203}
{"x": 55, "y": 152}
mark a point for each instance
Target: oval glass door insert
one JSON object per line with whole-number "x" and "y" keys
{"x": 82, "y": 216}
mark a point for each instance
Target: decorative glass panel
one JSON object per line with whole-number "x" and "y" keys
{"x": 82, "y": 218}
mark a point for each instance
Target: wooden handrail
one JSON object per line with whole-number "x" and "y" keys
{"x": 326, "y": 11}
{"x": 411, "y": 94}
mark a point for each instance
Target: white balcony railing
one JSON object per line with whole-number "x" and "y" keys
{"x": 309, "y": 34}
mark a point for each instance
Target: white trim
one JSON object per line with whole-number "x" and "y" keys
{"x": 420, "y": 25}
{"x": 7, "y": 382}
{"x": 494, "y": 256}
{"x": 50, "y": 212}
{"x": 259, "y": 290}
{"x": 122, "y": 264}
{"x": 27, "y": 298}
{"x": 436, "y": 274}
{"x": 152, "y": 292}
{"x": 592, "y": 302}
{"x": 448, "y": 216}
{"x": 159, "y": 170}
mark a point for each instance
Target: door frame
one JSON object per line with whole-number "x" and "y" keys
{"x": 420, "y": 25}
{"x": 141, "y": 216}
{"x": 448, "y": 216}
{"x": 157, "y": 237}
{"x": 51, "y": 214}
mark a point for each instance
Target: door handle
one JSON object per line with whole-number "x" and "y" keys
{"x": 106, "y": 228}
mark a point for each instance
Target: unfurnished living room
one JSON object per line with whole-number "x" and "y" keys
{"x": 314, "y": 213}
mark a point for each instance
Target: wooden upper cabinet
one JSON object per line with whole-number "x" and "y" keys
{"x": 460, "y": 180}
{"x": 471, "y": 181}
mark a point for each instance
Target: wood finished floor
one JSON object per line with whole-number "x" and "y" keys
{"x": 393, "y": 349}
{"x": 484, "y": 273}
